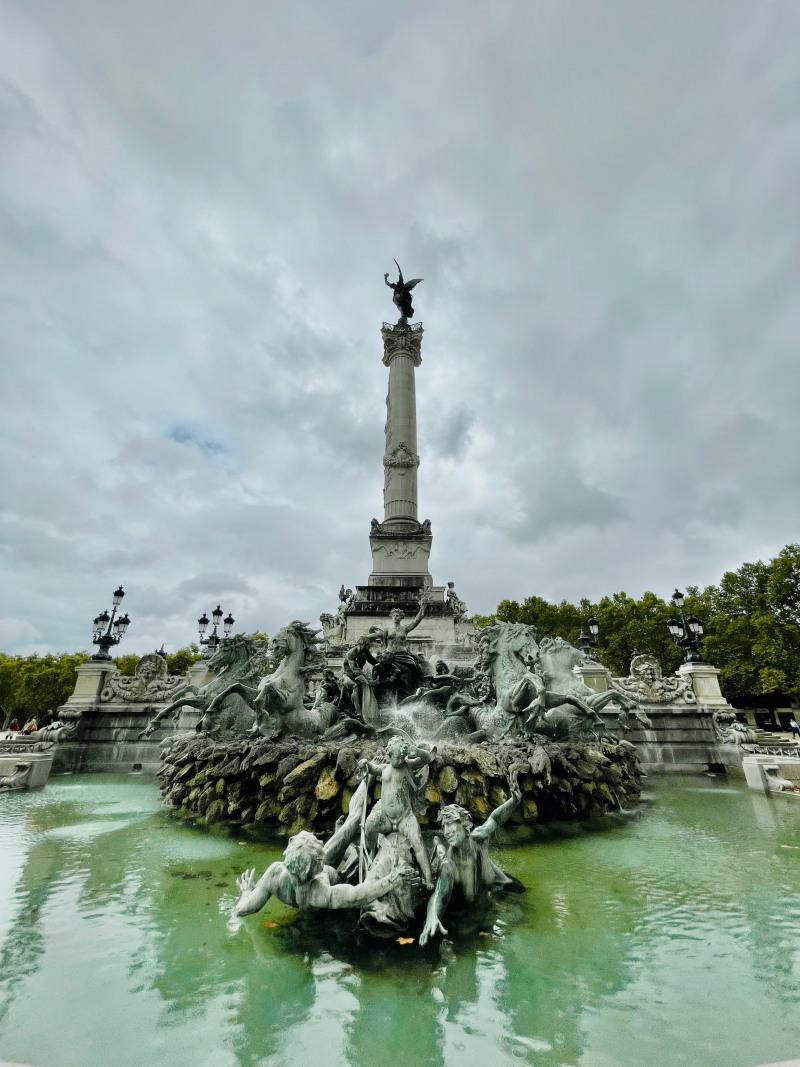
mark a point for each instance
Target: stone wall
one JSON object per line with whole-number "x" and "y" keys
{"x": 295, "y": 785}
{"x": 108, "y": 741}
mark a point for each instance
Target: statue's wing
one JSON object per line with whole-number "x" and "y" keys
{"x": 414, "y": 281}
{"x": 400, "y": 273}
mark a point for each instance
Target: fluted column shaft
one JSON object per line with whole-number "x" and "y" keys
{"x": 401, "y": 354}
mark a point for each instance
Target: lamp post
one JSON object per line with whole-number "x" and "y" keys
{"x": 687, "y": 633}
{"x": 108, "y": 630}
{"x": 212, "y": 641}
{"x": 588, "y": 642}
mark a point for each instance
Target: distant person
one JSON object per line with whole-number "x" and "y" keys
{"x": 793, "y": 726}
{"x": 14, "y": 726}
{"x": 30, "y": 727}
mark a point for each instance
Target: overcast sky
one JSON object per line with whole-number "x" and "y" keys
{"x": 198, "y": 201}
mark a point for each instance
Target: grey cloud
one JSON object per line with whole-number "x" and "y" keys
{"x": 601, "y": 201}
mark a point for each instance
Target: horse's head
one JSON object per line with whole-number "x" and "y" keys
{"x": 233, "y": 650}
{"x": 558, "y": 656}
{"x": 516, "y": 638}
{"x": 298, "y": 639}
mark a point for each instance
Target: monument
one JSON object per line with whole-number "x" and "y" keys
{"x": 400, "y": 655}
{"x": 400, "y": 544}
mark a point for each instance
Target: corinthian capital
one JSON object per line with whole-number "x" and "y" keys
{"x": 402, "y": 340}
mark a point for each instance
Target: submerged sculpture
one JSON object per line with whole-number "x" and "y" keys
{"x": 342, "y": 873}
{"x": 463, "y": 864}
{"x": 394, "y": 812}
{"x": 306, "y": 877}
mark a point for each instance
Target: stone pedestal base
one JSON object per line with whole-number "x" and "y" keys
{"x": 400, "y": 549}
{"x": 681, "y": 739}
{"x": 705, "y": 684}
{"x": 22, "y": 766}
{"x": 198, "y": 674}
{"x": 91, "y": 678}
{"x": 593, "y": 674}
{"x": 108, "y": 740}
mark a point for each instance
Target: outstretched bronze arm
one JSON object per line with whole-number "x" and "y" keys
{"x": 500, "y": 815}
{"x": 439, "y": 898}
{"x": 407, "y": 627}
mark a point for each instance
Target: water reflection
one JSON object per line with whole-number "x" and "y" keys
{"x": 629, "y": 943}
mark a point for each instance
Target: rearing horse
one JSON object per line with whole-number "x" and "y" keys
{"x": 277, "y": 700}
{"x": 533, "y": 682}
{"x": 556, "y": 661}
{"x": 226, "y": 716}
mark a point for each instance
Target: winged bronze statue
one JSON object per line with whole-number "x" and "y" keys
{"x": 401, "y": 294}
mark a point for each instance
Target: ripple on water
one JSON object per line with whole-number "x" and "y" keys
{"x": 667, "y": 939}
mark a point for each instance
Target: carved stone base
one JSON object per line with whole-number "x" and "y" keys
{"x": 24, "y": 764}
{"x": 401, "y": 552}
{"x": 704, "y": 680}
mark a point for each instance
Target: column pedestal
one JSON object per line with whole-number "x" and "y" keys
{"x": 90, "y": 680}
{"x": 593, "y": 674}
{"x": 704, "y": 680}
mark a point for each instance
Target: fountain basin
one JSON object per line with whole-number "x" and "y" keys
{"x": 25, "y": 764}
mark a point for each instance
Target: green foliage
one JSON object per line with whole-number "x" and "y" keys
{"x": 751, "y": 620}
{"x": 127, "y": 664}
{"x": 32, "y": 685}
{"x": 180, "y": 661}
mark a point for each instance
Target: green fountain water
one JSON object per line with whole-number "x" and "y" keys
{"x": 669, "y": 937}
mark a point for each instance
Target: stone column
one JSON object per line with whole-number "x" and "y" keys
{"x": 401, "y": 354}
{"x": 400, "y": 544}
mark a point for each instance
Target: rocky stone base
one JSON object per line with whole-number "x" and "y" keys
{"x": 295, "y": 785}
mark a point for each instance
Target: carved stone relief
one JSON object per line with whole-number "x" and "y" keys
{"x": 647, "y": 685}
{"x": 150, "y": 684}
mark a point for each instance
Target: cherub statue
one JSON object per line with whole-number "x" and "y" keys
{"x": 462, "y": 861}
{"x": 401, "y": 294}
{"x": 394, "y": 812}
{"x": 306, "y": 879}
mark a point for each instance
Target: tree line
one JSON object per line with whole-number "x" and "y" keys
{"x": 35, "y": 685}
{"x": 751, "y": 620}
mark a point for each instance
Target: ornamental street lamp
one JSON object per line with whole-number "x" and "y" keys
{"x": 213, "y": 638}
{"x": 108, "y": 630}
{"x": 687, "y": 632}
{"x": 588, "y": 642}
